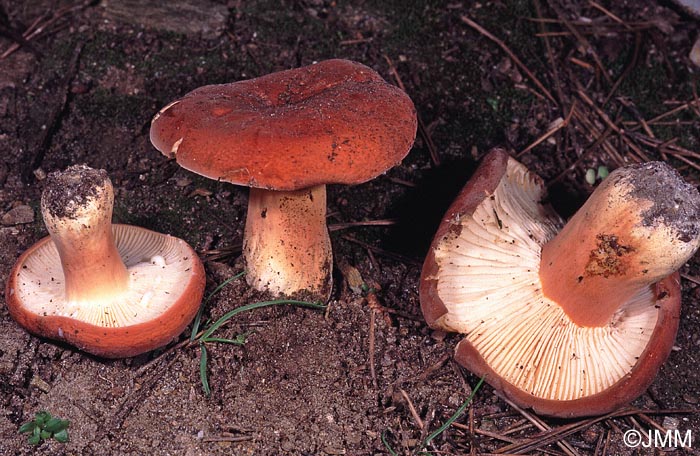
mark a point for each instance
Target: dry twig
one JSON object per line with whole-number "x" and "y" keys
{"x": 582, "y": 40}
{"x": 542, "y": 426}
{"x": 556, "y": 434}
{"x": 342, "y": 226}
{"x": 40, "y": 25}
{"x": 380, "y": 251}
{"x": 511, "y": 54}
{"x": 558, "y": 126}
{"x": 223, "y": 438}
{"x": 412, "y": 409}
{"x": 371, "y": 348}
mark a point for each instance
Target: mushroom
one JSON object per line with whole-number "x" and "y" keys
{"x": 286, "y": 135}
{"x": 569, "y": 322}
{"x": 109, "y": 289}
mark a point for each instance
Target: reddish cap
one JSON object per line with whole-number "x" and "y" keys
{"x": 336, "y": 121}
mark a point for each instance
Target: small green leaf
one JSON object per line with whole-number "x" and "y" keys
{"x": 42, "y": 417}
{"x": 590, "y": 176}
{"x": 603, "y": 172}
{"x": 61, "y": 436}
{"x": 27, "y": 427}
{"x": 34, "y": 439}
{"x": 44, "y": 427}
{"x": 55, "y": 425}
{"x": 243, "y": 338}
{"x": 493, "y": 102}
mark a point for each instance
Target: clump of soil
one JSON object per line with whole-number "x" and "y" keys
{"x": 67, "y": 192}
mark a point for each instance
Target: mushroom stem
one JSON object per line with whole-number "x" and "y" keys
{"x": 286, "y": 244}
{"x": 639, "y": 226}
{"x": 77, "y": 210}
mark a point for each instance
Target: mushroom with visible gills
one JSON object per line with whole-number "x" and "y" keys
{"x": 286, "y": 135}
{"x": 568, "y": 320}
{"x": 109, "y": 289}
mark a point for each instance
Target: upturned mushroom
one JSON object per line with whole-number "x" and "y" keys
{"x": 568, "y": 321}
{"x": 109, "y": 289}
{"x": 286, "y": 135}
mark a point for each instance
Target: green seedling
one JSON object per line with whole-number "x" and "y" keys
{"x": 206, "y": 336}
{"x": 494, "y": 102}
{"x": 592, "y": 175}
{"x": 603, "y": 172}
{"x": 44, "y": 426}
{"x": 441, "y": 429}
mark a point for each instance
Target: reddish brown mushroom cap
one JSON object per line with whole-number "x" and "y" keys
{"x": 336, "y": 121}
{"x": 482, "y": 278}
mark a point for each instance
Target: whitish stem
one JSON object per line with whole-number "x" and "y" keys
{"x": 77, "y": 209}
{"x": 640, "y": 225}
{"x": 286, "y": 244}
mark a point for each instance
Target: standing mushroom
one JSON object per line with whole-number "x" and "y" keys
{"x": 111, "y": 290}
{"x": 569, "y": 324}
{"x": 286, "y": 135}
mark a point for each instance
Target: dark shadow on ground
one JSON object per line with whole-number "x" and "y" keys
{"x": 421, "y": 209}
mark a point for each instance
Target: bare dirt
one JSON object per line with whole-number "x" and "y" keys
{"x": 84, "y": 89}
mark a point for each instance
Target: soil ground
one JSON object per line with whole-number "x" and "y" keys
{"x": 84, "y": 89}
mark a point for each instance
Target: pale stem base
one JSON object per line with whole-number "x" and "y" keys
{"x": 286, "y": 244}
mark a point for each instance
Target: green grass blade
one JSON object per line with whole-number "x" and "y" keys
{"x": 240, "y": 339}
{"x": 203, "y": 369}
{"x": 256, "y": 305}
{"x": 456, "y": 415}
{"x": 387, "y": 446}
{"x": 236, "y": 341}
{"x": 196, "y": 323}
{"x": 198, "y": 318}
